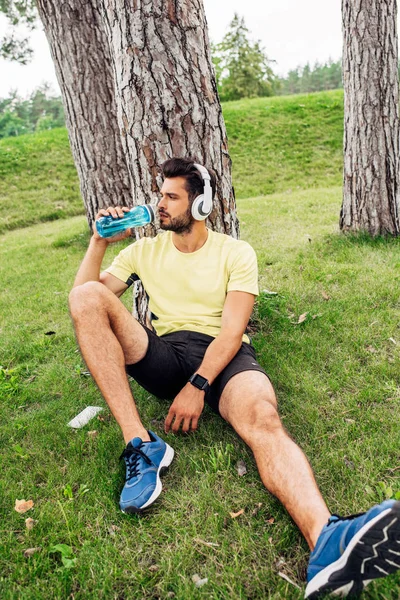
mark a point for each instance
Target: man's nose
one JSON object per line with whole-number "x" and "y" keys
{"x": 161, "y": 203}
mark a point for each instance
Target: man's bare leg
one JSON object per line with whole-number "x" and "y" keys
{"x": 109, "y": 338}
{"x": 248, "y": 403}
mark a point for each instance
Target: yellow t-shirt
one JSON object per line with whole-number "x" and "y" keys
{"x": 187, "y": 291}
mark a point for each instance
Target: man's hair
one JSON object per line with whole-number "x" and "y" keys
{"x": 184, "y": 167}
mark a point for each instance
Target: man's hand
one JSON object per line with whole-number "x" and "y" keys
{"x": 115, "y": 212}
{"x": 185, "y": 409}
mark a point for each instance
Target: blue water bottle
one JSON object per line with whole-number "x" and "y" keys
{"x": 136, "y": 217}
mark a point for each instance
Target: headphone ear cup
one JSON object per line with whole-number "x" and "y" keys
{"x": 197, "y": 209}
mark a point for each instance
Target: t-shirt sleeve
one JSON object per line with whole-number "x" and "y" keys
{"x": 243, "y": 276}
{"x": 124, "y": 264}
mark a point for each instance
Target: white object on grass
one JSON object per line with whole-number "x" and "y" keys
{"x": 84, "y": 417}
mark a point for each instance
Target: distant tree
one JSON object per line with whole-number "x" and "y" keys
{"x": 371, "y": 120}
{"x": 306, "y": 79}
{"x": 242, "y": 68}
{"x": 17, "y": 12}
{"x": 40, "y": 110}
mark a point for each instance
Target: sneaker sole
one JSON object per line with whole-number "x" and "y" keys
{"x": 164, "y": 464}
{"x": 372, "y": 553}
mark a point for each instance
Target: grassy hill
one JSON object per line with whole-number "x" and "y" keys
{"x": 335, "y": 370}
{"x": 276, "y": 144}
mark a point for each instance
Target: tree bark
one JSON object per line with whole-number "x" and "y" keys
{"x": 167, "y": 96}
{"x": 82, "y": 60}
{"x": 371, "y": 127}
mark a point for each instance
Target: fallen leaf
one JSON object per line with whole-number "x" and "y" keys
{"x": 393, "y": 341}
{"x": 237, "y": 514}
{"x": 93, "y": 434}
{"x": 350, "y": 421}
{"x": 349, "y": 463}
{"x": 325, "y": 296}
{"x": 371, "y": 349}
{"x": 22, "y": 506}
{"x": 301, "y": 268}
{"x": 271, "y": 520}
{"x": 113, "y": 529}
{"x": 241, "y": 468}
{"x": 30, "y": 523}
{"x": 171, "y": 595}
{"x": 286, "y": 578}
{"x": 302, "y": 318}
{"x": 30, "y": 551}
{"x": 209, "y": 544}
{"x": 154, "y": 568}
{"x": 280, "y": 562}
{"x": 198, "y": 581}
{"x": 256, "y": 509}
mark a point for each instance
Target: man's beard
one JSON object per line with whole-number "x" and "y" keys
{"x": 181, "y": 224}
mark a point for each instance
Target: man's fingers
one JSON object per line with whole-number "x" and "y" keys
{"x": 168, "y": 421}
{"x": 176, "y": 424}
{"x": 186, "y": 425}
{"x": 195, "y": 422}
{"x": 113, "y": 211}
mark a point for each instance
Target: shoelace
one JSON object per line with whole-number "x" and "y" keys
{"x": 131, "y": 456}
{"x": 335, "y": 518}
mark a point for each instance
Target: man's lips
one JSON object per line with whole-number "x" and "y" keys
{"x": 163, "y": 214}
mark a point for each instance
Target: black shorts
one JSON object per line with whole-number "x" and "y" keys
{"x": 171, "y": 359}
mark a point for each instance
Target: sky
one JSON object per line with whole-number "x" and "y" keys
{"x": 291, "y": 32}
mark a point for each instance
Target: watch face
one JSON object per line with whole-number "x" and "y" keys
{"x": 199, "y": 381}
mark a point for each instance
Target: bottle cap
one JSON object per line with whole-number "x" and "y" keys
{"x": 151, "y": 212}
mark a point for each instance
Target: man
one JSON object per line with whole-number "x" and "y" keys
{"x": 201, "y": 287}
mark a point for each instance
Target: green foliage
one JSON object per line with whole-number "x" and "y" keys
{"x": 17, "y": 12}
{"x": 40, "y": 111}
{"x": 326, "y": 76}
{"x": 241, "y": 66}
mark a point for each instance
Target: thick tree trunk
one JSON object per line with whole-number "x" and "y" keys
{"x": 138, "y": 87}
{"x": 371, "y": 138}
{"x": 167, "y": 96}
{"x": 81, "y": 55}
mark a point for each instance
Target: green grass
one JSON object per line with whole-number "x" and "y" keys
{"x": 285, "y": 143}
{"x": 38, "y": 179}
{"x": 338, "y": 385}
{"x": 276, "y": 144}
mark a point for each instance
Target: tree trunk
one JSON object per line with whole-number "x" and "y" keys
{"x": 371, "y": 127}
{"x": 167, "y": 96}
{"x": 82, "y": 60}
{"x": 138, "y": 87}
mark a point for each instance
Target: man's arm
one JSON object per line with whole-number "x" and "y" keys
{"x": 89, "y": 269}
{"x": 189, "y": 403}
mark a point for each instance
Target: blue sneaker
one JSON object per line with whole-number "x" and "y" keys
{"x": 352, "y": 551}
{"x": 144, "y": 462}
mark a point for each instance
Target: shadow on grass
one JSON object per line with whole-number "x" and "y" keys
{"x": 338, "y": 241}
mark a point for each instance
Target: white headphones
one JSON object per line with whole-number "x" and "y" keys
{"x": 203, "y": 204}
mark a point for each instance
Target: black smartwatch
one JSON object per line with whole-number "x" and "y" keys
{"x": 199, "y": 382}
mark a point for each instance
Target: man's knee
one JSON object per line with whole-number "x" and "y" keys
{"x": 250, "y": 406}
{"x": 85, "y": 297}
{"x": 260, "y": 418}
